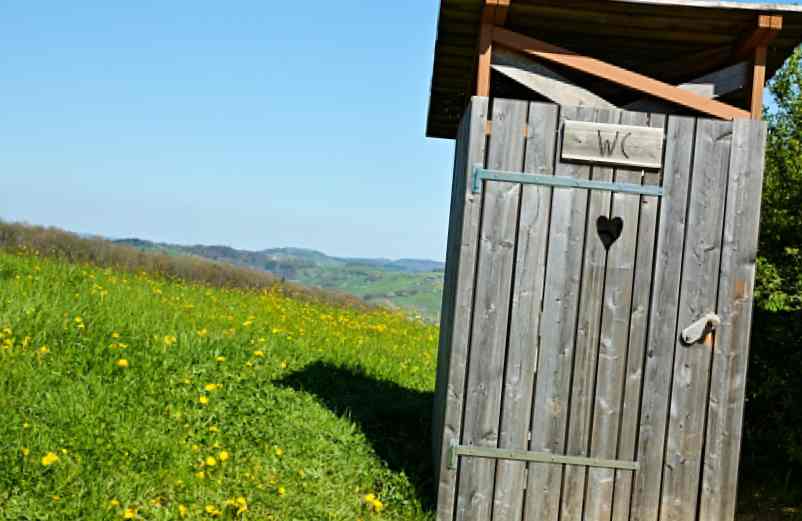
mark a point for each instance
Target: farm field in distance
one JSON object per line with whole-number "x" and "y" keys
{"x": 127, "y": 396}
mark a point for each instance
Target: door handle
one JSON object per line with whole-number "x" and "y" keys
{"x": 697, "y": 331}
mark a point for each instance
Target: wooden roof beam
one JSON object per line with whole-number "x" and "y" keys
{"x": 494, "y": 12}
{"x": 768, "y": 27}
{"x": 625, "y": 78}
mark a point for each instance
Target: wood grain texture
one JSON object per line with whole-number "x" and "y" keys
{"x": 557, "y": 331}
{"x": 467, "y": 232}
{"x": 699, "y": 288}
{"x": 613, "y": 345}
{"x": 663, "y": 319}
{"x": 488, "y": 344}
{"x": 636, "y": 351}
{"x": 524, "y": 345}
{"x": 591, "y": 295}
{"x": 449, "y": 286}
{"x": 731, "y": 353}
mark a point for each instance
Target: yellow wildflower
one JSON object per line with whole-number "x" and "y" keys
{"x": 122, "y": 363}
{"x": 169, "y": 340}
{"x": 56, "y": 498}
{"x": 203, "y": 400}
{"x": 281, "y": 491}
{"x": 220, "y": 359}
{"x": 283, "y": 365}
{"x": 247, "y": 323}
{"x": 183, "y": 511}
{"x": 213, "y": 511}
{"x": 202, "y": 332}
{"x": 259, "y": 354}
{"x": 25, "y": 451}
{"x": 43, "y": 350}
{"x": 279, "y": 451}
{"x": 200, "y": 474}
{"x": 214, "y": 428}
{"x": 49, "y": 459}
{"x": 224, "y": 455}
{"x": 213, "y": 387}
{"x": 378, "y": 506}
{"x": 211, "y": 461}
{"x": 129, "y": 513}
{"x": 114, "y": 503}
{"x": 115, "y": 335}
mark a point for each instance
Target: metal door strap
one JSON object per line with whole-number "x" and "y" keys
{"x": 455, "y": 451}
{"x": 482, "y": 174}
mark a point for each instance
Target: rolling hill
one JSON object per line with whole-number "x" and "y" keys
{"x": 414, "y": 285}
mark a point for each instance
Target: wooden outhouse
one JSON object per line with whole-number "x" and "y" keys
{"x": 601, "y": 253}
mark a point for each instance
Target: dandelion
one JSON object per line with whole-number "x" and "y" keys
{"x": 220, "y": 359}
{"x": 25, "y": 451}
{"x": 281, "y": 491}
{"x": 202, "y": 332}
{"x": 183, "y": 511}
{"x": 213, "y": 511}
{"x": 42, "y": 351}
{"x": 213, "y": 387}
{"x": 129, "y": 513}
{"x": 169, "y": 340}
{"x": 259, "y": 354}
{"x": 213, "y": 428}
{"x": 114, "y": 503}
{"x": 49, "y": 458}
{"x": 55, "y": 499}
{"x": 283, "y": 365}
{"x": 247, "y": 323}
{"x": 224, "y": 455}
{"x": 210, "y": 461}
{"x": 122, "y": 363}
{"x": 279, "y": 451}
{"x": 115, "y": 335}
{"x": 200, "y": 474}
{"x": 203, "y": 400}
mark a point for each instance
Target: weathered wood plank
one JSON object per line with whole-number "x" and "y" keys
{"x": 491, "y": 310}
{"x": 623, "y": 145}
{"x": 731, "y": 353}
{"x": 663, "y": 319}
{"x": 699, "y": 288}
{"x": 591, "y": 294}
{"x": 636, "y": 351}
{"x": 541, "y": 79}
{"x": 467, "y": 232}
{"x": 557, "y": 331}
{"x": 615, "y": 325}
{"x": 522, "y": 352}
{"x": 449, "y": 287}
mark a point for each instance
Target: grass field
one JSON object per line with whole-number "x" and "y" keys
{"x": 129, "y": 396}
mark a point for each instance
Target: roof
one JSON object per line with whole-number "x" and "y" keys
{"x": 647, "y": 36}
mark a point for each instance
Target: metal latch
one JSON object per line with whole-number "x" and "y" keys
{"x": 697, "y": 331}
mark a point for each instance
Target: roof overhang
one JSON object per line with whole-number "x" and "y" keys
{"x": 664, "y": 39}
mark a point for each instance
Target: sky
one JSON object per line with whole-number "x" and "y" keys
{"x": 251, "y": 124}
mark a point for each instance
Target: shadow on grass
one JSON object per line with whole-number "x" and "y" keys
{"x": 397, "y": 421}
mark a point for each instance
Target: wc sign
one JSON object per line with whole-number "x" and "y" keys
{"x": 622, "y": 145}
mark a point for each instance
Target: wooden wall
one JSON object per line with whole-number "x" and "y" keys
{"x": 551, "y": 342}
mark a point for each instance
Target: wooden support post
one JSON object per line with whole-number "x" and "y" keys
{"x": 758, "y": 82}
{"x": 485, "y": 60}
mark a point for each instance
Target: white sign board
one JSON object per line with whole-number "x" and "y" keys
{"x": 623, "y": 145}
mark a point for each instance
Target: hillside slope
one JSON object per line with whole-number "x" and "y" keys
{"x": 126, "y": 394}
{"x": 410, "y": 284}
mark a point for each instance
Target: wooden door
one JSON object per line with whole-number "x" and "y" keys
{"x": 564, "y": 390}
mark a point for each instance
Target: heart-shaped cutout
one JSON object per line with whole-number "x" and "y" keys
{"x": 609, "y": 229}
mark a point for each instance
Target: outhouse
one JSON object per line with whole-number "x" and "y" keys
{"x": 601, "y": 253}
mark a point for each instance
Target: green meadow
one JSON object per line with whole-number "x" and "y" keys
{"x": 130, "y": 396}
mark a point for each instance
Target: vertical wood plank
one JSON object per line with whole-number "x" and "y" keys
{"x": 491, "y": 310}
{"x": 636, "y": 350}
{"x": 591, "y": 294}
{"x": 557, "y": 330}
{"x": 730, "y": 357}
{"x": 449, "y": 286}
{"x": 699, "y": 288}
{"x": 663, "y": 319}
{"x": 466, "y": 231}
{"x": 530, "y": 266}
{"x": 613, "y": 347}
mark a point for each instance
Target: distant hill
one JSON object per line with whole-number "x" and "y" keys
{"x": 411, "y": 284}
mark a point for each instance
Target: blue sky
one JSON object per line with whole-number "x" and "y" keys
{"x": 254, "y": 124}
{"x": 250, "y": 123}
